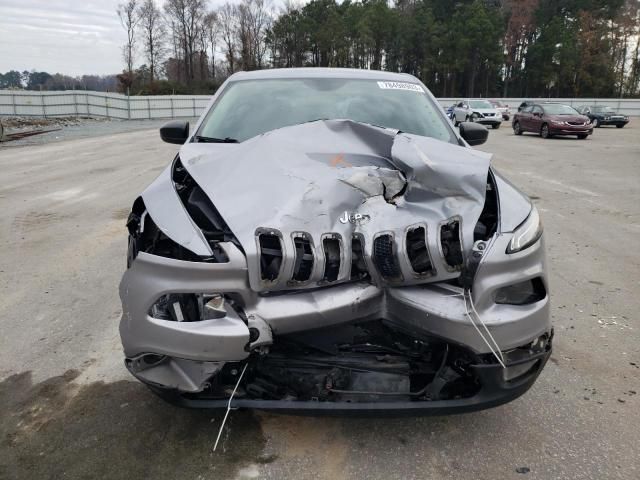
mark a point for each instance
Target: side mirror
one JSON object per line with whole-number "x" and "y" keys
{"x": 175, "y": 131}
{"x": 473, "y": 133}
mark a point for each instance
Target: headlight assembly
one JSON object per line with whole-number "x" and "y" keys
{"x": 527, "y": 233}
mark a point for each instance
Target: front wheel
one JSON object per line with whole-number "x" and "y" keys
{"x": 596, "y": 123}
{"x": 495, "y": 126}
{"x": 582, "y": 136}
{"x": 517, "y": 129}
{"x": 544, "y": 131}
{"x": 619, "y": 126}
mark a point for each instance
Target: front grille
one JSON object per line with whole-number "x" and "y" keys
{"x": 331, "y": 247}
{"x": 299, "y": 260}
{"x": 451, "y": 244}
{"x": 417, "y": 251}
{"x": 358, "y": 263}
{"x": 270, "y": 256}
{"x": 384, "y": 258}
{"x": 304, "y": 258}
{"x": 576, "y": 123}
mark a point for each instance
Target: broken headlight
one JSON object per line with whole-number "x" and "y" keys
{"x": 188, "y": 307}
{"x": 528, "y": 233}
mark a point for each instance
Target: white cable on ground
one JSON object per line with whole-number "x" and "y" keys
{"x": 224, "y": 420}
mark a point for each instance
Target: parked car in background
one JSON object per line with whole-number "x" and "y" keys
{"x": 449, "y": 110}
{"x": 502, "y": 107}
{"x": 603, "y": 115}
{"x": 476, "y": 110}
{"x": 523, "y": 105}
{"x": 549, "y": 119}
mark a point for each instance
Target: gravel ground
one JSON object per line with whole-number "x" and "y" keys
{"x": 69, "y": 128}
{"x": 69, "y": 409}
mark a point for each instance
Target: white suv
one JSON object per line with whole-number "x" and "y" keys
{"x": 476, "y": 110}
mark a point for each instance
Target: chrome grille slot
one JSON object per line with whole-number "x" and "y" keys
{"x": 384, "y": 257}
{"x": 270, "y": 256}
{"x": 331, "y": 247}
{"x": 418, "y": 252}
{"x": 451, "y": 244}
{"x": 304, "y": 260}
{"x": 358, "y": 263}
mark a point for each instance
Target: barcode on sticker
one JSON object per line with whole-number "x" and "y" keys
{"x": 401, "y": 86}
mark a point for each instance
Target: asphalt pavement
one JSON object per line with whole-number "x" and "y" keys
{"x": 69, "y": 409}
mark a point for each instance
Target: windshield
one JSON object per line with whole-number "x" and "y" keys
{"x": 480, "y": 104}
{"x": 603, "y": 109}
{"x": 557, "y": 109}
{"x": 251, "y": 107}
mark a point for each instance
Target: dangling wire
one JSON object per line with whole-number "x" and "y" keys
{"x": 224, "y": 420}
{"x": 495, "y": 348}
{"x": 498, "y": 352}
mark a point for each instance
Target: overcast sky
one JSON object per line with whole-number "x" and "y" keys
{"x": 72, "y": 37}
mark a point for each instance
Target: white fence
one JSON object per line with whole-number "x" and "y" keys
{"x": 100, "y": 104}
{"x": 114, "y": 105}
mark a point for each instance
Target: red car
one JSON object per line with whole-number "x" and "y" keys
{"x": 549, "y": 119}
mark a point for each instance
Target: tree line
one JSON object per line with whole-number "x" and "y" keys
{"x": 490, "y": 48}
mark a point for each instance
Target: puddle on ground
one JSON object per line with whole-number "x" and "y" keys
{"x": 57, "y": 429}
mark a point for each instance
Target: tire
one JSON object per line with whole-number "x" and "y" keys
{"x": 619, "y": 126}
{"x": 495, "y": 126}
{"x": 544, "y": 131}
{"x": 596, "y": 123}
{"x": 516, "y": 128}
{"x": 582, "y": 136}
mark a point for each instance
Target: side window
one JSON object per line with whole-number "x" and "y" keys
{"x": 460, "y": 105}
{"x": 537, "y": 110}
{"x": 527, "y": 109}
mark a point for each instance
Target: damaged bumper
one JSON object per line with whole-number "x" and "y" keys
{"x": 179, "y": 359}
{"x": 498, "y": 386}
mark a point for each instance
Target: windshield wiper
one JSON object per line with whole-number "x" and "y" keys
{"x": 201, "y": 139}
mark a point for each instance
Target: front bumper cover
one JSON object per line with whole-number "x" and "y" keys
{"x": 430, "y": 309}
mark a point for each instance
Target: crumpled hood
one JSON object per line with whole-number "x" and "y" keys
{"x": 317, "y": 177}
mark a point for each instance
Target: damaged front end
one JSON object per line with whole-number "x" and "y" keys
{"x": 336, "y": 267}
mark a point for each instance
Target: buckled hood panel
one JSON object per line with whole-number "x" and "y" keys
{"x": 340, "y": 180}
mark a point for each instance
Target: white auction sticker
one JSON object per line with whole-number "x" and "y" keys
{"x": 401, "y": 86}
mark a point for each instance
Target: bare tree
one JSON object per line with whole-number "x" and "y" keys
{"x": 153, "y": 33}
{"x": 186, "y": 17}
{"x": 128, "y": 13}
{"x": 253, "y": 22}
{"x": 227, "y": 15}
{"x": 211, "y": 28}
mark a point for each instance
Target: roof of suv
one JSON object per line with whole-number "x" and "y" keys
{"x": 316, "y": 72}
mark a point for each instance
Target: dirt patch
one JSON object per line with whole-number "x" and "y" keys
{"x": 120, "y": 430}
{"x": 19, "y": 123}
{"x": 121, "y": 214}
{"x": 36, "y": 220}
